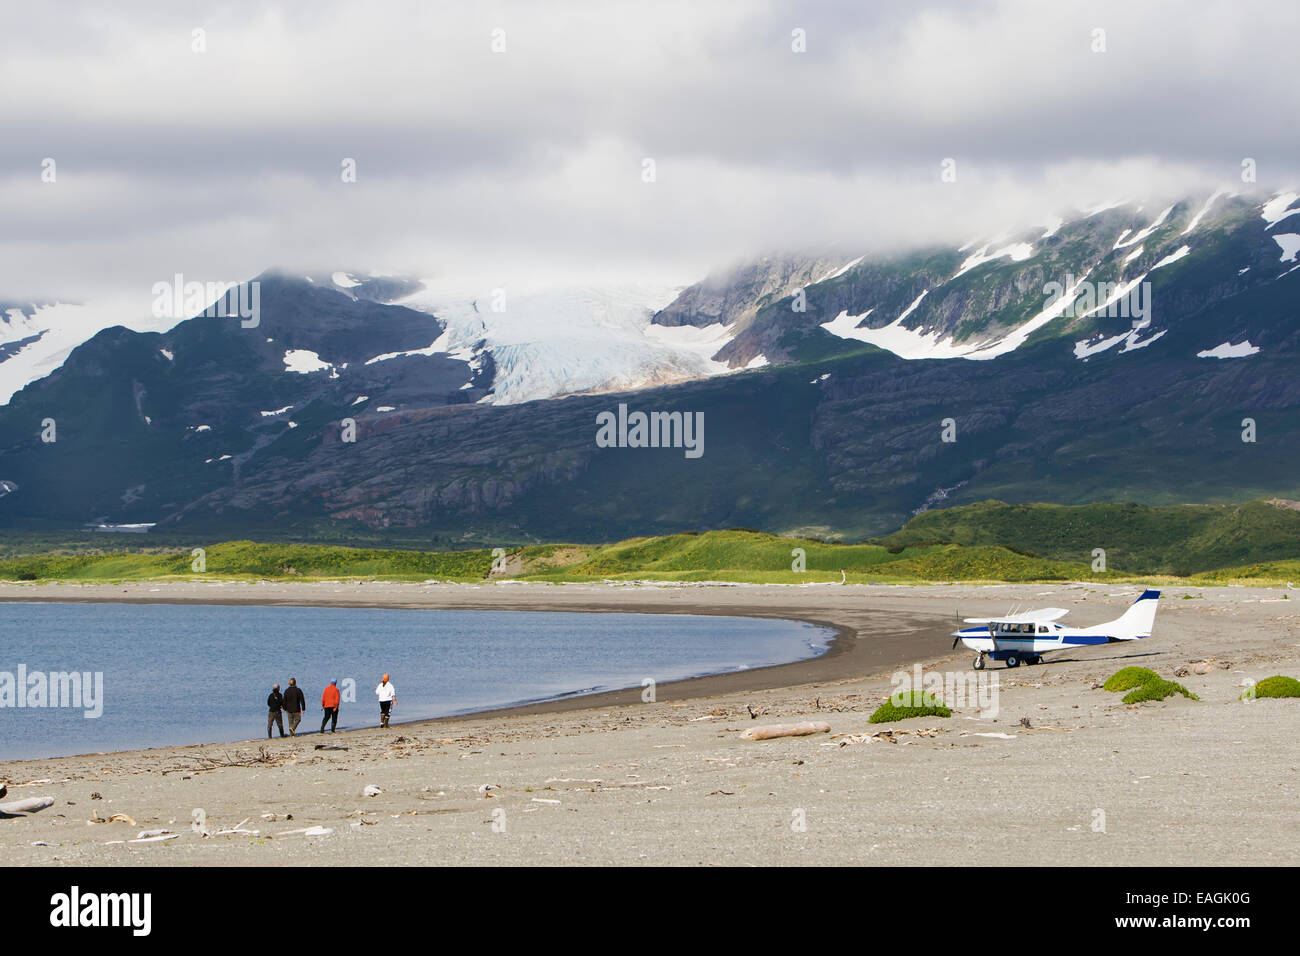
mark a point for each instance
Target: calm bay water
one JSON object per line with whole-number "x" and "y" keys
{"x": 179, "y": 674}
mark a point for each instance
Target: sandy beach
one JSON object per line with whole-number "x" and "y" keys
{"x": 1063, "y": 773}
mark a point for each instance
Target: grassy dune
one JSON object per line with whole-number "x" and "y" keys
{"x": 1256, "y": 543}
{"x": 247, "y": 559}
{"x": 1180, "y": 539}
{"x": 716, "y": 555}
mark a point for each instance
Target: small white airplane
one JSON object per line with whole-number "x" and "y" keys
{"x": 1028, "y": 636}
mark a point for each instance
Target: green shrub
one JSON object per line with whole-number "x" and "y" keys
{"x": 1126, "y": 678}
{"x": 914, "y": 703}
{"x": 1157, "y": 689}
{"x": 1275, "y": 686}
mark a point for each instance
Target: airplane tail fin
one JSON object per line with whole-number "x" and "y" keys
{"x": 1137, "y": 621}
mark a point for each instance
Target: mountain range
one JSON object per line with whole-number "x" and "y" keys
{"x": 1121, "y": 353}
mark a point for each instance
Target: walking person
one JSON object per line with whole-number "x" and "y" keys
{"x": 387, "y": 695}
{"x": 329, "y": 702}
{"x": 274, "y": 703}
{"x": 294, "y": 704}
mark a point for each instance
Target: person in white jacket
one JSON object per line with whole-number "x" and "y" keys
{"x": 387, "y": 695}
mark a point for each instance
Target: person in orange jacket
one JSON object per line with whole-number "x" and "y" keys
{"x": 329, "y": 702}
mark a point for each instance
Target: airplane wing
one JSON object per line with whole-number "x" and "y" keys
{"x": 1027, "y": 617}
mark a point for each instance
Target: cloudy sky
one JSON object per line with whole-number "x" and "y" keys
{"x": 528, "y": 161}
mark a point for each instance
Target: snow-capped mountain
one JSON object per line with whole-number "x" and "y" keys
{"x": 37, "y": 337}
{"x": 207, "y": 422}
{"x": 1087, "y": 277}
{"x": 529, "y": 341}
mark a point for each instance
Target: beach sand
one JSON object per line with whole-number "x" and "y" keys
{"x": 609, "y": 779}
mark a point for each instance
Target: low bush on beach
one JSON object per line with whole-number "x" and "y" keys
{"x": 1126, "y": 678}
{"x": 1276, "y": 686}
{"x": 916, "y": 703}
{"x": 1157, "y": 689}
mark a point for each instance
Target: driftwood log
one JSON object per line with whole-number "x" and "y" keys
{"x": 787, "y": 730}
{"x": 19, "y": 807}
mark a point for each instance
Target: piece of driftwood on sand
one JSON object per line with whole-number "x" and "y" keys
{"x": 787, "y": 730}
{"x": 18, "y": 808}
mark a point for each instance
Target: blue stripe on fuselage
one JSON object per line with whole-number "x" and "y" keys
{"x": 1067, "y": 640}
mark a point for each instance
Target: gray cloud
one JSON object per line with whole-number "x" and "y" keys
{"x": 225, "y": 162}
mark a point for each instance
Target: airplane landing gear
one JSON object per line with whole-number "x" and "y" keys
{"x": 1013, "y": 661}
{"x": 979, "y": 663}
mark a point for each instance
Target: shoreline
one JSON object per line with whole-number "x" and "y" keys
{"x": 844, "y": 658}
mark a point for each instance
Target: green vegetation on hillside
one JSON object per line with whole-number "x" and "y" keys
{"x": 1181, "y": 540}
{"x": 750, "y": 556}
{"x": 990, "y": 541}
{"x": 717, "y": 555}
{"x": 249, "y": 559}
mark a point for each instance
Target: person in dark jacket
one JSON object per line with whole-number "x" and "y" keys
{"x": 294, "y": 704}
{"x": 274, "y": 703}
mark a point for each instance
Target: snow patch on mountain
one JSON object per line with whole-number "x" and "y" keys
{"x": 1196, "y": 220}
{"x": 1016, "y": 251}
{"x": 912, "y": 308}
{"x": 431, "y": 349}
{"x": 1290, "y": 243}
{"x": 1132, "y": 342}
{"x": 1172, "y": 257}
{"x": 304, "y": 362}
{"x": 1278, "y": 208}
{"x": 1122, "y": 243}
{"x": 841, "y": 270}
{"x": 914, "y": 344}
{"x": 1228, "y": 350}
{"x": 897, "y": 338}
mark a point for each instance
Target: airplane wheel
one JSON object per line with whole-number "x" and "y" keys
{"x": 1013, "y": 661}
{"x": 979, "y": 663}
{"x": 1033, "y": 660}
